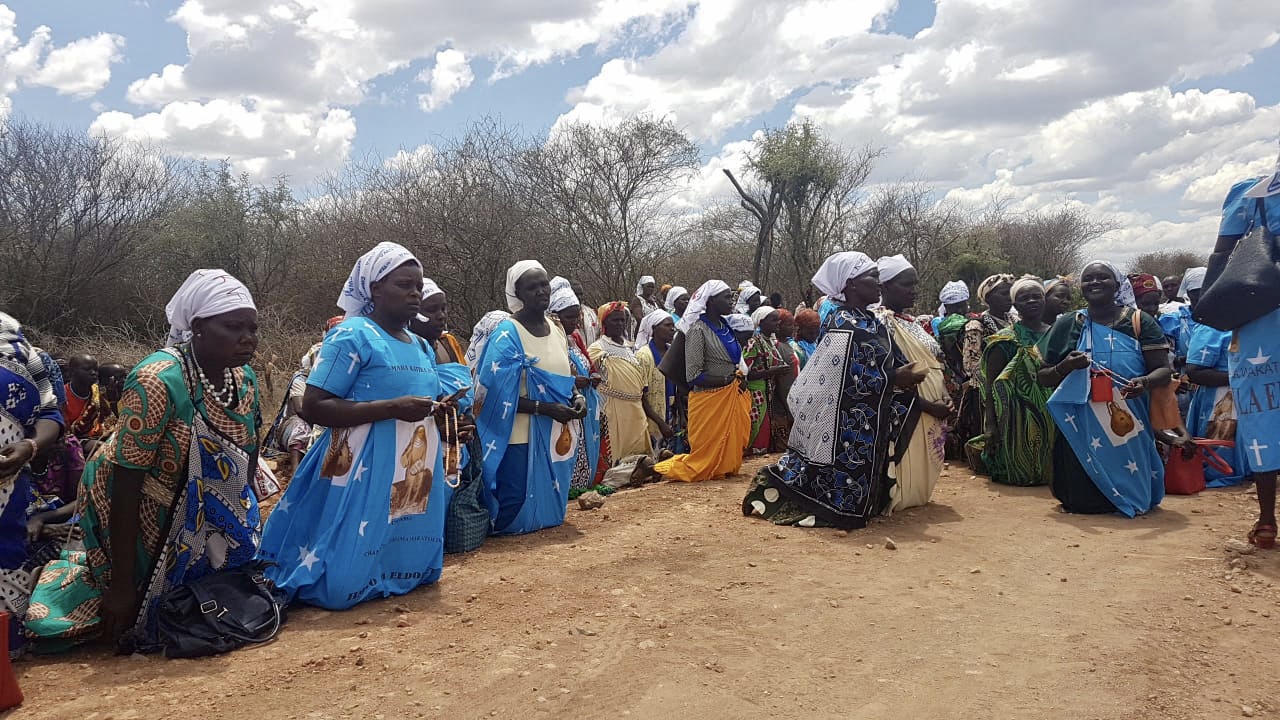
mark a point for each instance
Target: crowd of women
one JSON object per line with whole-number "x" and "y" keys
{"x": 407, "y": 443}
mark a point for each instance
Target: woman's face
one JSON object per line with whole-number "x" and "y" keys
{"x": 664, "y": 331}
{"x": 534, "y": 290}
{"x": 864, "y": 290}
{"x": 398, "y": 295}
{"x": 615, "y": 324}
{"x": 1098, "y": 285}
{"x": 1056, "y": 301}
{"x": 899, "y": 293}
{"x": 1149, "y": 303}
{"x": 226, "y": 340}
{"x": 753, "y": 301}
{"x": 769, "y": 324}
{"x": 436, "y": 310}
{"x": 808, "y": 333}
{"x": 787, "y": 328}
{"x": 681, "y": 304}
{"x": 721, "y": 303}
{"x": 998, "y": 299}
{"x": 570, "y": 318}
{"x": 1030, "y": 303}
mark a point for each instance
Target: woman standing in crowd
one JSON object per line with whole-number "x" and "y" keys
{"x": 719, "y": 405}
{"x": 924, "y": 434}
{"x": 1103, "y": 360}
{"x": 30, "y": 424}
{"x": 1057, "y": 297}
{"x": 567, "y": 309}
{"x": 764, "y": 367}
{"x": 1146, "y": 293}
{"x": 364, "y": 515}
{"x": 1212, "y": 413}
{"x": 624, "y": 380}
{"x": 431, "y": 324}
{"x": 657, "y": 329}
{"x": 1018, "y": 439}
{"x": 835, "y": 474}
{"x": 152, "y": 522}
{"x": 644, "y": 301}
{"x": 676, "y": 301}
{"x": 749, "y": 298}
{"x": 950, "y": 330}
{"x": 530, "y": 402}
{"x": 806, "y": 335}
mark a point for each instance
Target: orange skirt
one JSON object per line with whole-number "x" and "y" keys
{"x": 719, "y": 430}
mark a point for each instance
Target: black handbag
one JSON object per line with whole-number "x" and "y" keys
{"x": 221, "y": 612}
{"x": 466, "y": 520}
{"x": 1242, "y": 284}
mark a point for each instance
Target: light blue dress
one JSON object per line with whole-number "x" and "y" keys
{"x": 364, "y": 514}
{"x": 527, "y": 485}
{"x": 1208, "y": 348}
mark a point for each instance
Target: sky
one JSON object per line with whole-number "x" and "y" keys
{"x": 1144, "y": 111}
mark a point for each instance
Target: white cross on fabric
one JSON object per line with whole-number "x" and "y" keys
{"x": 1257, "y": 451}
{"x": 1071, "y": 419}
{"x": 1111, "y": 340}
{"x": 493, "y": 445}
{"x": 506, "y": 408}
{"x": 355, "y": 360}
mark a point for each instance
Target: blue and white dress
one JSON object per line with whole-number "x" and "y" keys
{"x": 364, "y": 514}
{"x": 1212, "y": 412}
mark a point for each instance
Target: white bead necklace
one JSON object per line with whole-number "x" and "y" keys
{"x": 227, "y": 395}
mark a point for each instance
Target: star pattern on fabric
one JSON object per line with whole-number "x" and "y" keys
{"x": 1096, "y": 444}
{"x": 1132, "y": 467}
{"x": 307, "y": 557}
{"x": 283, "y": 505}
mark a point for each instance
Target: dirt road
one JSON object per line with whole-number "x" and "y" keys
{"x": 667, "y": 603}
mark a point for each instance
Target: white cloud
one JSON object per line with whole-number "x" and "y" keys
{"x": 450, "y": 74}
{"x": 82, "y": 67}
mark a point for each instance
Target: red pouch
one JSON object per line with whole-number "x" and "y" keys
{"x": 1100, "y": 388}
{"x": 1184, "y": 475}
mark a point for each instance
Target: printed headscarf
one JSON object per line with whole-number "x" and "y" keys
{"x": 1023, "y": 282}
{"x": 480, "y": 335}
{"x": 1192, "y": 279}
{"x": 514, "y": 273}
{"x": 1144, "y": 284}
{"x": 953, "y": 292}
{"x": 991, "y": 283}
{"x": 839, "y": 269}
{"x": 610, "y": 308}
{"x": 892, "y": 266}
{"x": 761, "y": 313}
{"x": 1124, "y": 293}
{"x": 673, "y": 295}
{"x": 562, "y": 295}
{"x": 429, "y": 289}
{"x": 1053, "y": 282}
{"x": 698, "y": 303}
{"x": 647, "y": 324}
{"x": 746, "y": 291}
{"x": 204, "y": 294}
{"x": 356, "y": 298}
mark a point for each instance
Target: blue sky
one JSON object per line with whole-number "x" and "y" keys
{"x": 1145, "y": 111}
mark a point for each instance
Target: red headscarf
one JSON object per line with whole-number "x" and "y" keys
{"x": 807, "y": 319}
{"x": 1144, "y": 284}
{"x": 609, "y": 308}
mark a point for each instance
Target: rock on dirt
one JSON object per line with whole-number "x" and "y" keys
{"x": 590, "y": 500}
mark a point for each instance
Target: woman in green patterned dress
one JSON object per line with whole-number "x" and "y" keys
{"x": 1018, "y": 428}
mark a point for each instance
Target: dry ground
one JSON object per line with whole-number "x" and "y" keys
{"x": 667, "y": 603}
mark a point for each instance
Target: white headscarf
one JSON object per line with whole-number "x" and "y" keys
{"x": 356, "y": 298}
{"x": 1192, "y": 279}
{"x": 647, "y": 324}
{"x": 761, "y": 313}
{"x": 480, "y": 334}
{"x": 1124, "y": 293}
{"x": 673, "y": 295}
{"x": 892, "y": 266}
{"x": 746, "y": 290}
{"x": 738, "y": 322}
{"x": 1025, "y": 281}
{"x": 514, "y": 304}
{"x": 562, "y": 295}
{"x": 698, "y": 303}
{"x": 644, "y": 280}
{"x": 203, "y": 294}
{"x": 953, "y": 292}
{"x": 429, "y": 289}
{"x": 840, "y": 269}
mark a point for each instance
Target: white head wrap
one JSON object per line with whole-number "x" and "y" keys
{"x": 698, "y": 302}
{"x": 1192, "y": 279}
{"x": 746, "y": 290}
{"x": 480, "y": 335}
{"x": 647, "y": 324}
{"x": 1124, "y": 293}
{"x": 644, "y": 280}
{"x": 429, "y": 289}
{"x": 840, "y": 269}
{"x": 953, "y": 292}
{"x": 356, "y": 297}
{"x": 562, "y": 295}
{"x": 761, "y": 313}
{"x": 513, "y": 274}
{"x": 673, "y": 295}
{"x": 203, "y": 294}
{"x": 892, "y": 266}
{"x": 1025, "y": 281}
{"x": 740, "y": 323}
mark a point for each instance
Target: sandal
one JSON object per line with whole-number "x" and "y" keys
{"x": 1263, "y": 536}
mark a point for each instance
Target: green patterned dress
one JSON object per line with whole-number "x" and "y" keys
{"x": 1023, "y": 454}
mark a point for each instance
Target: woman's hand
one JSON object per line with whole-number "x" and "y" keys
{"x": 35, "y": 528}
{"x": 910, "y": 375}
{"x": 941, "y": 410}
{"x": 1075, "y": 360}
{"x": 1136, "y": 387}
{"x": 559, "y": 413}
{"x": 410, "y": 408}
{"x": 581, "y": 381}
{"x": 14, "y": 456}
{"x": 596, "y": 379}
{"x": 666, "y": 430}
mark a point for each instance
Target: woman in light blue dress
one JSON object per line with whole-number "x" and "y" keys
{"x": 1212, "y": 411}
{"x": 364, "y": 514}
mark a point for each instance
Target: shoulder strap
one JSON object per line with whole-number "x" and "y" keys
{"x": 1136, "y": 317}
